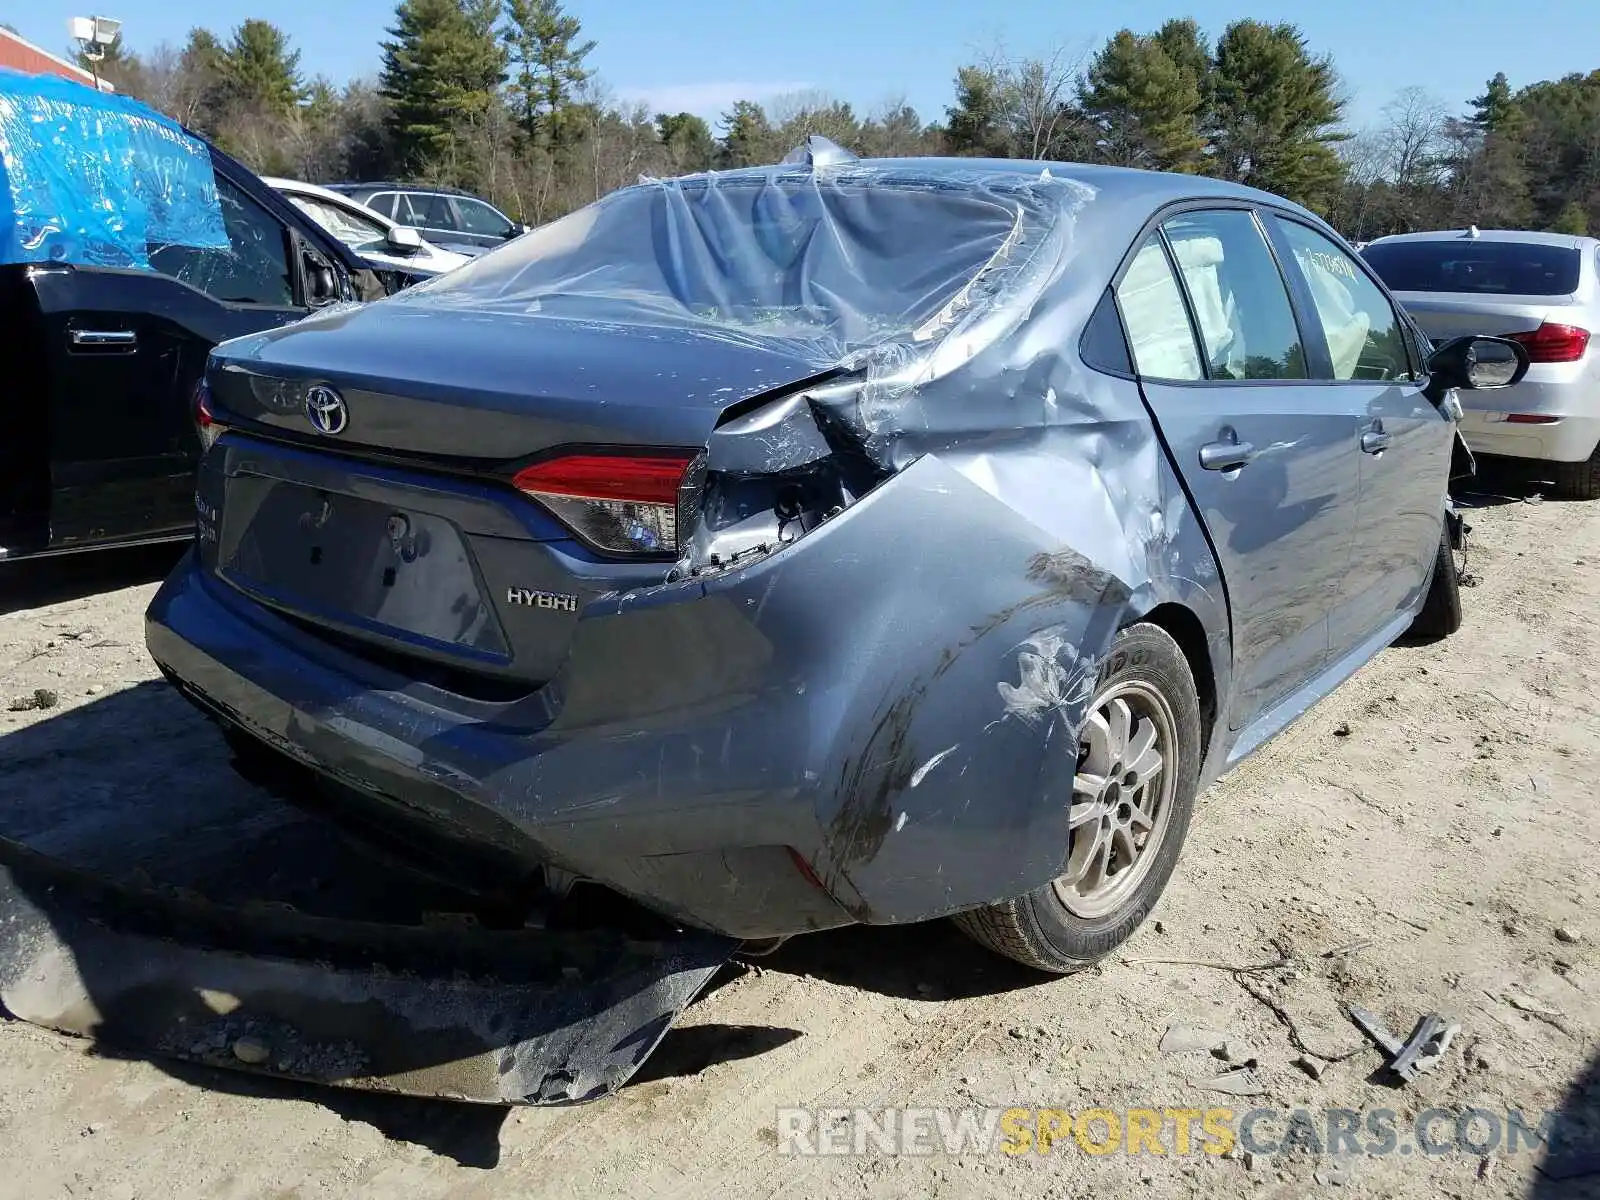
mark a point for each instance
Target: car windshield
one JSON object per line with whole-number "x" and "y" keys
{"x": 361, "y": 235}
{"x": 850, "y": 257}
{"x": 1476, "y": 266}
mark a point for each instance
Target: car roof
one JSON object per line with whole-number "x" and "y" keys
{"x": 1111, "y": 184}
{"x": 1569, "y": 240}
{"x": 322, "y": 193}
{"x": 425, "y": 188}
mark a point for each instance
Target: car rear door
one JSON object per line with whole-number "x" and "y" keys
{"x": 1405, "y": 442}
{"x": 435, "y": 215}
{"x": 125, "y": 349}
{"x": 483, "y": 223}
{"x": 1267, "y": 455}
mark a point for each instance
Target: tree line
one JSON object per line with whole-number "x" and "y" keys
{"x": 500, "y": 97}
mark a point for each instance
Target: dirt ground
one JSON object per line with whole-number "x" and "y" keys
{"x": 1438, "y": 813}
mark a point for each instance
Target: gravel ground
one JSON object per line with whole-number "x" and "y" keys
{"x": 1433, "y": 823}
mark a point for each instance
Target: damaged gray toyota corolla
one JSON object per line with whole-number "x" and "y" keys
{"x": 838, "y": 541}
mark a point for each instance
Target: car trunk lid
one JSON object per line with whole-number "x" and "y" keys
{"x": 446, "y": 384}
{"x": 403, "y": 534}
{"x": 1445, "y": 315}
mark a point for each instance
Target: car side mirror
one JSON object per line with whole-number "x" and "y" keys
{"x": 517, "y": 230}
{"x": 404, "y": 239}
{"x": 1475, "y": 364}
{"x": 322, "y": 285}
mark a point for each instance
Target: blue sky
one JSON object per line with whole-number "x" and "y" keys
{"x": 700, "y": 55}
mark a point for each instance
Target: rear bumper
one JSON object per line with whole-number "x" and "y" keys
{"x": 1570, "y": 436}
{"x": 819, "y": 701}
{"x": 585, "y": 805}
{"x": 1565, "y": 439}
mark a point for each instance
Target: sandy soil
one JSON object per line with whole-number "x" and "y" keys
{"x": 1439, "y": 811}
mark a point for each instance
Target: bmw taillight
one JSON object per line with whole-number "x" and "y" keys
{"x": 622, "y": 503}
{"x": 1552, "y": 343}
{"x": 205, "y": 421}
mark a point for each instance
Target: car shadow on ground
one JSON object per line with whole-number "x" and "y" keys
{"x": 1569, "y": 1167}
{"x": 56, "y": 579}
{"x": 1501, "y": 481}
{"x": 927, "y": 961}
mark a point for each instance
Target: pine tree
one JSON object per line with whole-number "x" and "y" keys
{"x": 688, "y": 141}
{"x": 197, "y": 92}
{"x": 1146, "y": 106}
{"x": 1491, "y": 110}
{"x": 546, "y": 58}
{"x": 259, "y": 73}
{"x": 1275, "y": 113}
{"x": 748, "y": 136}
{"x": 441, "y": 68}
{"x": 974, "y": 124}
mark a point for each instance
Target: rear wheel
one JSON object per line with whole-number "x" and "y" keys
{"x": 1132, "y": 798}
{"x": 1579, "y": 480}
{"x": 1441, "y": 611}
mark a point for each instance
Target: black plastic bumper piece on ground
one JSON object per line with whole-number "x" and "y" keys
{"x": 526, "y": 1017}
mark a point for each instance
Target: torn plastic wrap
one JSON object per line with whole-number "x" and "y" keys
{"x": 832, "y": 266}
{"x": 98, "y": 180}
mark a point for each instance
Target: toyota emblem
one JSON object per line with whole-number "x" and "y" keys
{"x": 326, "y": 410}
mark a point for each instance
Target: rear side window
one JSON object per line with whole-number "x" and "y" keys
{"x": 478, "y": 217}
{"x": 432, "y": 211}
{"x": 1366, "y": 339}
{"x": 1103, "y": 347}
{"x": 1476, "y": 267}
{"x": 1152, "y": 312}
{"x": 254, "y": 270}
{"x": 383, "y": 203}
{"x": 404, "y": 213}
{"x": 1247, "y": 326}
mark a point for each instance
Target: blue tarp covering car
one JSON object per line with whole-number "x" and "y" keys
{"x": 97, "y": 180}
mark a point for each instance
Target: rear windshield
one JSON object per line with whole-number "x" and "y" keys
{"x": 852, "y": 257}
{"x": 1475, "y": 266}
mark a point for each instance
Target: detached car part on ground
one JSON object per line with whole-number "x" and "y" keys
{"x": 1540, "y": 289}
{"x": 840, "y": 541}
{"x": 128, "y": 249}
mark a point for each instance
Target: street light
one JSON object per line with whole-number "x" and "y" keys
{"x": 94, "y": 34}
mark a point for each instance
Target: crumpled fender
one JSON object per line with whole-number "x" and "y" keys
{"x": 954, "y": 766}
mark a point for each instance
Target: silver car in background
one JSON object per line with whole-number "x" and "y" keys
{"x": 1542, "y": 289}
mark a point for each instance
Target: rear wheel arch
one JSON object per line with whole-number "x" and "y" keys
{"x": 1185, "y": 628}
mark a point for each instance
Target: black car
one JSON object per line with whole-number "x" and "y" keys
{"x": 447, "y": 217}
{"x": 98, "y": 432}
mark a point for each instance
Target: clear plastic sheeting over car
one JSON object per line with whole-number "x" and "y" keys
{"x": 861, "y": 266}
{"x": 98, "y": 180}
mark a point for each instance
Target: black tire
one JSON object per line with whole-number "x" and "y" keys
{"x": 1037, "y": 929}
{"x": 1579, "y": 480}
{"x": 1441, "y": 611}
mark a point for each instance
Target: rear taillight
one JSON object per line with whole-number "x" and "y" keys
{"x": 205, "y": 422}
{"x": 1531, "y": 419}
{"x": 626, "y": 503}
{"x": 1551, "y": 343}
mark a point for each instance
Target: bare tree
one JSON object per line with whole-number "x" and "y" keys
{"x": 1413, "y": 130}
{"x": 1036, "y": 98}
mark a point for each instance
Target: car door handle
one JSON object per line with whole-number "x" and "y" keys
{"x": 1226, "y": 456}
{"x": 1374, "y": 441}
{"x": 104, "y": 339}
